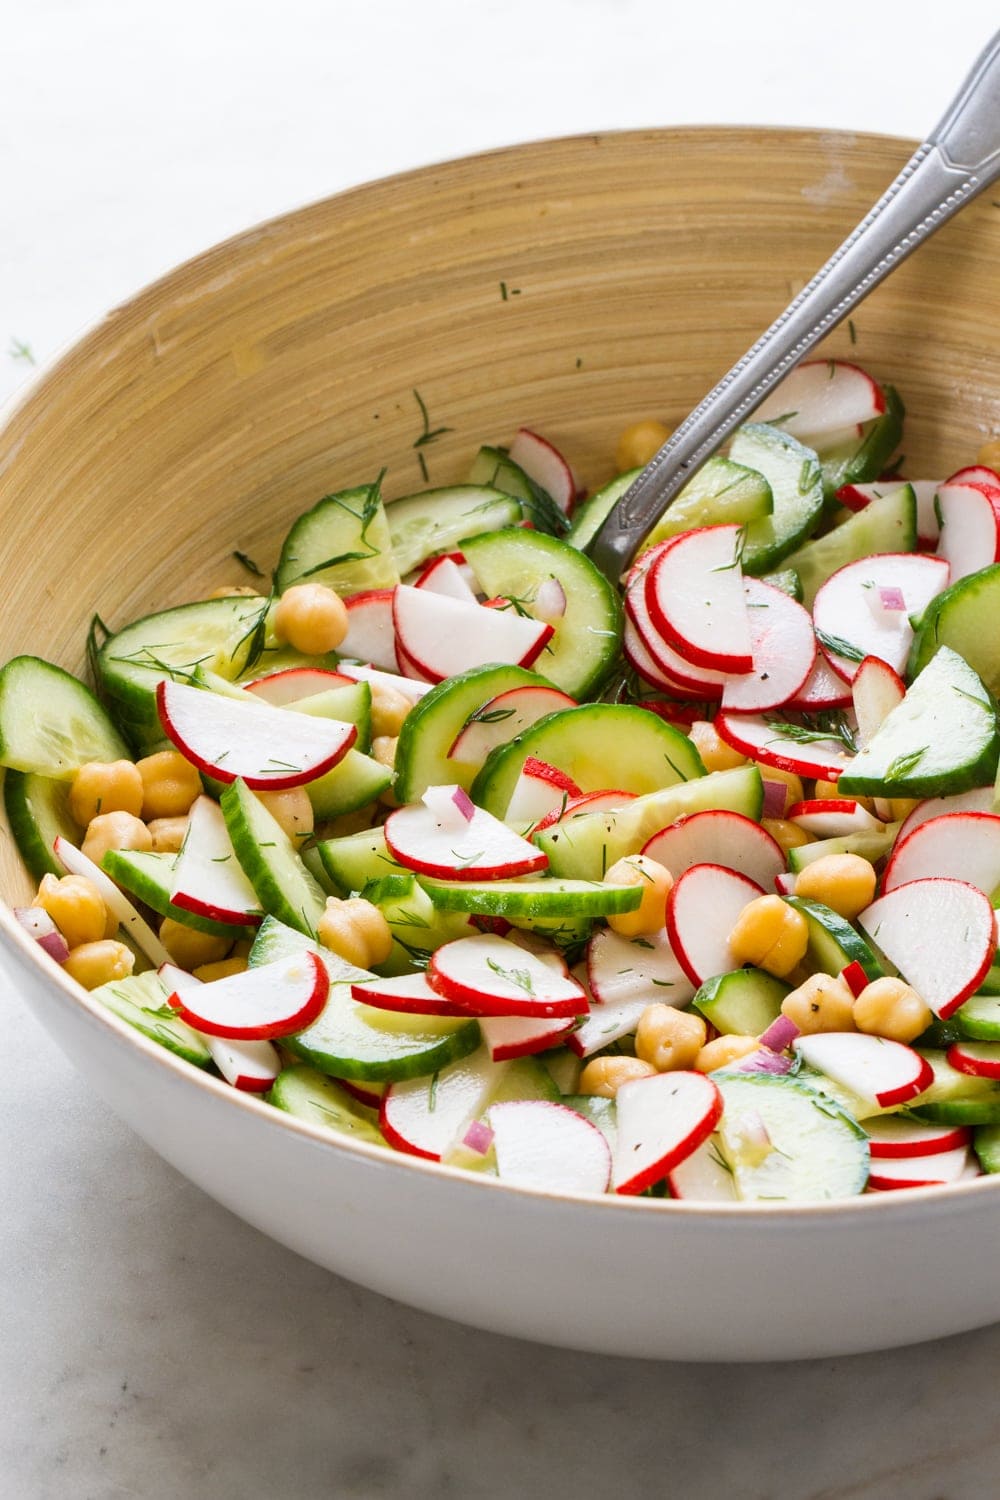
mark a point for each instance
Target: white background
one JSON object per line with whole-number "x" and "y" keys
{"x": 151, "y": 1345}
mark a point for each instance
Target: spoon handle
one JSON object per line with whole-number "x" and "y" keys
{"x": 958, "y": 160}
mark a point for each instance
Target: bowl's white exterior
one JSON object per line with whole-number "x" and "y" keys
{"x": 633, "y": 1278}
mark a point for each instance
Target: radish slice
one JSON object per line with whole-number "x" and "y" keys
{"x": 765, "y": 739}
{"x": 408, "y": 686}
{"x": 846, "y": 626}
{"x": 268, "y": 748}
{"x": 409, "y": 994}
{"x": 919, "y": 1171}
{"x": 520, "y": 1036}
{"x": 970, "y": 526}
{"x": 875, "y": 692}
{"x": 587, "y": 802}
{"x": 783, "y": 647}
{"x": 880, "y": 1071}
{"x": 858, "y": 496}
{"x": 647, "y": 645}
{"x": 76, "y": 862}
{"x": 503, "y": 717}
{"x": 371, "y": 636}
{"x": 694, "y": 592}
{"x": 546, "y": 466}
{"x": 979, "y": 799}
{"x": 543, "y": 1145}
{"x": 270, "y": 1000}
{"x": 720, "y": 838}
{"x": 821, "y": 396}
{"x": 639, "y": 659}
{"x": 832, "y": 817}
{"x": 939, "y": 934}
{"x": 539, "y": 790}
{"x": 490, "y": 976}
{"x": 891, "y": 1137}
{"x": 661, "y": 1121}
{"x": 250, "y": 1066}
{"x": 704, "y": 1176}
{"x": 427, "y": 1116}
{"x": 207, "y": 877}
{"x": 961, "y": 846}
{"x": 451, "y": 805}
{"x": 443, "y": 636}
{"x": 821, "y": 689}
{"x": 38, "y": 924}
{"x": 977, "y": 1059}
{"x": 443, "y": 575}
{"x": 295, "y": 683}
{"x": 702, "y": 909}
{"x": 482, "y": 849}
{"x": 622, "y": 969}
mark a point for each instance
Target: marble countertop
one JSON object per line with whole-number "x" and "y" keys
{"x": 151, "y": 1345}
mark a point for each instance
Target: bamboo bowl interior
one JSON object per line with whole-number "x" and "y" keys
{"x": 570, "y": 285}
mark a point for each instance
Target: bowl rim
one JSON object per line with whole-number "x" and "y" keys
{"x": 25, "y": 950}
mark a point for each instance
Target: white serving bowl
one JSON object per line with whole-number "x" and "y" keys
{"x": 571, "y": 285}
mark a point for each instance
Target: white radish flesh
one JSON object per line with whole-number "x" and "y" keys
{"x": 783, "y": 647}
{"x": 371, "y": 635}
{"x": 879, "y": 1071}
{"x": 939, "y": 934}
{"x": 503, "y": 717}
{"x": 207, "y": 877}
{"x": 702, "y": 910}
{"x": 490, "y": 976}
{"x": 842, "y": 615}
{"x": 544, "y": 1145}
{"x": 661, "y": 1121}
{"x": 719, "y": 838}
{"x": 271, "y": 1000}
{"x": 694, "y": 592}
{"x": 961, "y": 846}
{"x": 443, "y": 636}
{"x": 821, "y": 396}
{"x": 483, "y": 848}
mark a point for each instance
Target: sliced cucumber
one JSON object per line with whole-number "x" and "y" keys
{"x": 721, "y": 493}
{"x": 439, "y": 520}
{"x": 342, "y": 542}
{"x": 351, "y": 704}
{"x": 600, "y": 745}
{"x": 788, "y": 581}
{"x": 980, "y": 1018}
{"x": 432, "y": 726}
{"x": 956, "y": 1098}
{"x": 141, "y": 1000}
{"x": 516, "y": 563}
{"x": 533, "y": 898}
{"x": 586, "y": 846}
{"x": 961, "y": 617}
{"x": 886, "y": 525}
{"x": 50, "y": 724}
{"x": 986, "y": 1144}
{"x": 149, "y": 877}
{"x": 310, "y": 1095}
{"x": 871, "y": 844}
{"x": 861, "y": 459}
{"x": 743, "y": 1002}
{"x": 599, "y": 1111}
{"x": 356, "y": 858}
{"x": 350, "y": 1040}
{"x": 353, "y": 783}
{"x": 284, "y": 886}
{"x": 418, "y": 927}
{"x": 833, "y": 942}
{"x": 794, "y": 474}
{"x": 815, "y": 1150}
{"x": 38, "y": 812}
{"x": 495, "y": 467}
{"x": 942, "y": 737}
{"x": 516, "y": 1079}
{"x": 589, "y": 517}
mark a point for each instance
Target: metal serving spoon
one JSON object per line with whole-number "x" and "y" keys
{"x": 958, "y": 160}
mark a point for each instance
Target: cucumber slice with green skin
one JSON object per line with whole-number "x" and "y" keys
{"x": 495, "y": 468}
{"x": 37, "y": 809}
{"x": 956, "y": 618}
{"x": 439, "y": 520}
{"x": 787, "y": 580}
{"x": 351, "y": 1040}
{"x": 886, "y": 525}
{"x": 352, "y": 705}
{"x": 218, "y": 634}
{"x": 979, "y": 1111}
{"x": 149, "y": 877}
{"x": 833, "y": 942}
{"x": 50, "y": 723}
{"x": 818, "y": 1151}
{"x": 589, "y": 517}
{"x": 870, "y": 845}
{"x": 721, "y": 493}
{"x": 416, "y": 924}
{"x": 353, "y": 860}
{"x": 585, "y": 847}
{"x": 794, "y": 474}
{"x": 598, "y": 1110}
{"x": 862, "y": 459}
{"x": 356, "y": 781}
{"x": 270, "y": 861}
{"x": 343, "y": 542}
{"x": 533, "y": 898}
{"x": 141, "y": 1000}
{"x": 307, "y": 1094}
{"x": 942, "y": 737}
{"x": 956, "y": 1098}
{"x": 742, "y": 1003}
{"x": 980, "y": 1018}
{"x": 986, "y": 1144}
{"x": 598, "y": 745}
{"x": 588, "y": 636}
{"x": 432, "y": 726}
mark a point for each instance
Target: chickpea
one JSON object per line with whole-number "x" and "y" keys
{"x": 989, "y": 454}
{"x": 353, "y": 822}
{"x": 235, "y": 591}
{"x": 97, "y": 963}
{"x": 722, "y": 1051}
{"x": 104, "y": 787}
{"x": 170, "y": 785}
{"x": 844, "y": 882}
{"x": 787, "y": 779}
{"x": 168, "y": 834}
{"x": 770, "y": 934}
{"x": 896, "y": 808}
{"x": 311, "y": 618}
{"x": 655, "y": 880}
{"x": 788, "y": 835}
{"x": 221, "y": 969}
{"x": 638, "y": 443}
{"x": 715, "y": 754}
{"x": 384, "y": 749}
{"x": 191, "y": 948}
{"x": 76, "y": 906}
{"x": 291, "y": 810}
{"x": 116, "y": 830}
{"x": 823, "y": 1002}
{"x": 389, "y": 709}
{"x": 605, "y": 1075}
{"x": 891, "y": 1008}
{"x": 356, "y": 930}
{"x": 667, "y": 1038}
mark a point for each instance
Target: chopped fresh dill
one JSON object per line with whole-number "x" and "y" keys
{"x": 249, "y": 564}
